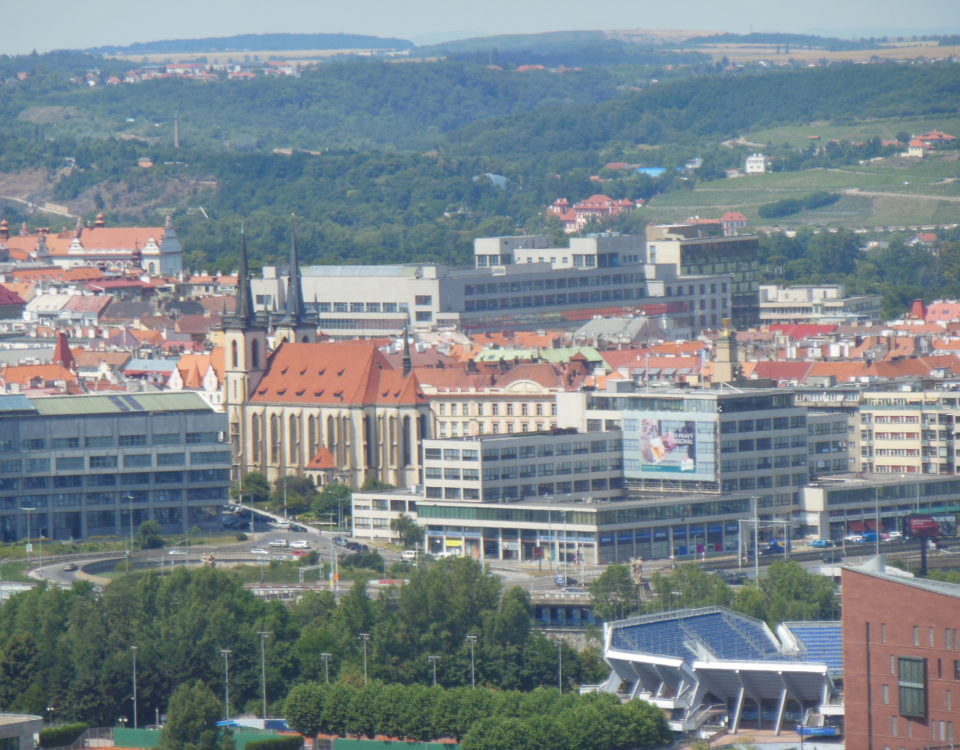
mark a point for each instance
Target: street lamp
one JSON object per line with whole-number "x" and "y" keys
{"x": 433, "y": 663}
{"x": 560, "y": 665}
{"x": 133, "y": 650}
{"x": 326, "y": 666}
{"x": 225, "y": 653}
{"x": 364, "y": 637}
{"x": 263, "y": 669}
{"x": 50, "y": 710}
{"x": 29, "y": 545}
{"x": 472, "y": 639}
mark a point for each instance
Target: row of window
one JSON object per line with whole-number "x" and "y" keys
{"x": 359, "y": 307}
{"x": 764, "y": 482}
{"x": 536, "y": 285}
{"x": 547, "y": 300}
{"x": 110, "y": 441}
{"x": 481, "y": 409}
{"x": 110, "y": 461}
{"x": 123, "y": 499}
{"x": 131, "y": 479}
{"x": 512, "y": 493}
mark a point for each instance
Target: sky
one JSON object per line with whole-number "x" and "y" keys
{"x": 45, "y": 25}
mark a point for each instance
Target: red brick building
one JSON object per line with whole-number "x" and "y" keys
{"x": 901, "y": 657}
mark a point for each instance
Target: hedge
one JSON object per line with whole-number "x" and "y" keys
{"x": 277, "y": 743}
{"x": 59, "y": 736}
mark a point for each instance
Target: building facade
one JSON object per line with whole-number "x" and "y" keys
{"x": 810, "y": 304}
{"x": 79, "y": 466}
{"x": 901, "y": 653}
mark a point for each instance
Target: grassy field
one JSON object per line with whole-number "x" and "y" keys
{"x": 798, "y": 136}
{"x": 885, "y": 193}
{"x": 746, "y": 53}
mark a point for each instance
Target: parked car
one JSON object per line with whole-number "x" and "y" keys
{"x": 894, "y": 535}
{"x": 299, "y": 544}
{"x": 277, "y": 543}
{"x": 259, "y": 551}
{"x": 409, "y": 555}
{"x": 822, "y": 543}
{"x": 854, "y": 538}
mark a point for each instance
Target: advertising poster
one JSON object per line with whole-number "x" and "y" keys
{"x": 668, "y": 445}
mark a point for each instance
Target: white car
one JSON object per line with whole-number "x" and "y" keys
{"x": 277, "y": 543}
{"x": 259, "y": 551}
{"x": 299, "y": 544}
{"x": 176, "y": 551}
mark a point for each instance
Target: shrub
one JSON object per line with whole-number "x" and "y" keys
{"x": 65, "y": 734}
{"x": 289, "y": 742}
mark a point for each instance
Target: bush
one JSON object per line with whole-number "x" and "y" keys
{"x": 241, "y": 537}
{"x": 796, "y": 205}
{"x": 277, "y": 743}
{"x": 65, "y": 734}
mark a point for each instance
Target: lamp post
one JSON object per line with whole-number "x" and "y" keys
{"x": 364, "y": 637}
{"x": 50, "y": 710}
{"x": 876, "y": 510}
{"x": 263, "y": 669}
{"x": 29, "y": 544}
{"x": 225, "y": 653}
{"x": 326, "y": 666}
{"x": 560, "y": 665}
{"x": 133, "y": 651}
{"x": 472, "y": 640}
{"x": 433, "y": 663}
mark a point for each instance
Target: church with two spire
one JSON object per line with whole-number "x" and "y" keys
{"x": 337, "y": 411}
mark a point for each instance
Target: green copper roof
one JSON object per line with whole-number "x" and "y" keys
{"x": 119, "y": 403}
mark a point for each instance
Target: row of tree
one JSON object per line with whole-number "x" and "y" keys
{"x": 481, "y": 719}
{"x": 786, "y": 591}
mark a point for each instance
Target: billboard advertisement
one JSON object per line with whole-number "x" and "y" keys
{"x": 668, "y": 445}
{"x": 922, "y": 526}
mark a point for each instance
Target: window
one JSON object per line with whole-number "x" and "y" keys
{"x": 99, "y": 441}
{"x": 167, "y": 438}
{"x": 131, "y": 440}
{"x": 913, "y": 687}
{"x": 65, "y": 443}
{"x": 883, "y": 632}
{"x": 171, "y": 459}
{"x": 137, "y": 459}
{"x": 70, "y": 463}
{"x": 423, "y": 299}
{"x": 886, "y": 695}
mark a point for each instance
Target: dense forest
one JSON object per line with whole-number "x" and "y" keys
{"x": 253, "y": 43}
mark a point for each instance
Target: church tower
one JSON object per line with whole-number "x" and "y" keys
{"x": 294, "y": 326}
{"x": 245, "y": 338}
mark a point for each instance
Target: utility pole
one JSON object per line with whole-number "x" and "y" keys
{"x": 263, "y": 669}
{"x": 433, "y": 663}
{"x": 133, "y": 650}
{"x": 326, "y": 666}
{"x": 364, "y": 637}
{"x": 225, "y": 653}
{"x": 472, "y": 639}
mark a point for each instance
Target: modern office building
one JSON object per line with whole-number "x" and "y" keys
{"x": 901, "y": 654}
{"x": 552, "y": 496}
{"x": 19, "y": 731}
{"x": 516, "y": 282}
{"x": 808, "y": 303}
{"x": 695, "y": 249}
{"x": 721, "y": 440}
{"x": 73, "y": 467}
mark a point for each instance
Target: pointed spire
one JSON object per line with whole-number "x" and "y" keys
{"x": 61, "y": 353}
{"x": 407, "y": 359}
{"x": 244, "y": 312}
{"x": 294, "y": 308}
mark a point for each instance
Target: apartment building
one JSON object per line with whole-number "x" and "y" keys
{"x": 912, "y": 430}
{"x": 72, "y": 467}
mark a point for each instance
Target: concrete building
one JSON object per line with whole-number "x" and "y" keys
{"x": 912, "y": 430}
{"x": 808, "y": 303}
{"x": 19, "y": 731}
{"x": 695, "y": 249}
{"x": 901, "y": 653}
{"x": 723, "y": 440}
{"x": 554, "y": 496}
{"x": 837, "y": 506}
{"x": 517, "y": 283}
{"x": 79, "y": 466}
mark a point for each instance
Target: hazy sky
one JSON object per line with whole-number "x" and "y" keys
{"x": 44, "y": 25}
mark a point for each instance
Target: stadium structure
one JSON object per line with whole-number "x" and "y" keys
{"x": 711, "y": 669}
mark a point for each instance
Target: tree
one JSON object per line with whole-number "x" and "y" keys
{"x": 689, "y": 585}
{"x": 303, "y": 708}
{"x": 331, "y": 501}
{"x": 192, "y": 717}
{"x": 614, "y": 593}
{"x": 410, "y": 533}
{"x": 253, "y": 488}
{"x": 148, "y": 535}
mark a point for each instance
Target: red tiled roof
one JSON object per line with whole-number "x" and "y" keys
{"x": 348, "y": 373}
{"x": 802, "y": 330}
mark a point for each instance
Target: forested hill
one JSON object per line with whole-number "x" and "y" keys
{"x": 256, "y": 43}
{"x": 722, "y": 107}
